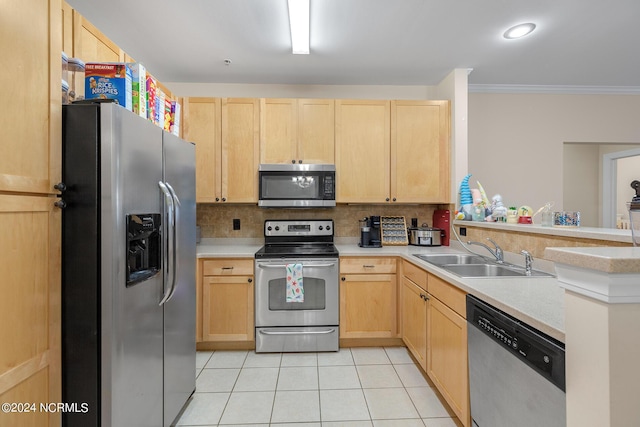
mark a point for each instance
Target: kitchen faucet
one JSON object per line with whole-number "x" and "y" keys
{"x": 497, "y": 252}
{"x": 528, "y": 261}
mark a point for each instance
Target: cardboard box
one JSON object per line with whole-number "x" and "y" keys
{"x": 138, "y": 89}
{"x": 151, "y": 97}
{"x": 175, "y": 118}
{"x": 111, "y": 80}
{"x": 167, "y": 115}
{"x": 158, "y": 117}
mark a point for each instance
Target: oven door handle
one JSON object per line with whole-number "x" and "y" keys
{"x": 303, "y": 265}
{"x": 321, "y": 332}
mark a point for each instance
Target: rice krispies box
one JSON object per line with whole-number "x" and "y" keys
{"x": 108, "y": 81}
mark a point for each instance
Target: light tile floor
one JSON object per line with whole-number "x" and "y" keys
{"x": 357, "y": 387}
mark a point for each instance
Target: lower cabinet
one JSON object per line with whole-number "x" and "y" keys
{"x": 413, "y": 308}
{"x": 368, "y": 298}
{"x": 227, "y": 300}
{"x": 447, "y": 345}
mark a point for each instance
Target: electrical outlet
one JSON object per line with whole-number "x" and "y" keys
{"x": 463, "y": 231}
{"x": 236, "y": 223}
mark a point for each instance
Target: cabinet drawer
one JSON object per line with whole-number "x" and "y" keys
{"x": 415, "y": 274}
{"x": 228, "y": 267}
{"x": 367, "y": 265}
{"x": 453, "y": 297}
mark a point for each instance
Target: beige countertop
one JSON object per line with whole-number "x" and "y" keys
{"x": 537, "y": 301}
{"x": 608, "y": 260}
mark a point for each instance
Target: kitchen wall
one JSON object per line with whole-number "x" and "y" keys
{"x": 216, "y": 220}
{"x": 516, "y": 140}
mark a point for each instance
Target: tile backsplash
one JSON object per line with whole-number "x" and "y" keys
{"x": 216, "y": 220}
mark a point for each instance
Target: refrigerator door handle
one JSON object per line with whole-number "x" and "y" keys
{"x": 170, "y": 237}
{"x": 176, "y": 216}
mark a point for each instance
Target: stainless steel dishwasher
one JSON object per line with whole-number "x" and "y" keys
{"x": 516, "y": 373}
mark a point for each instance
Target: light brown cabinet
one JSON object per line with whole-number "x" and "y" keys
{"x": 226, "y": 300}
{"x": 225, "y": 132}
{"x": 392, "y": 151}
{"x": 30, "y": 225}
{"x": 420, "y": 151}
{"x": 296, "y": 131}
{"x": 447, "y": 345}
{"x": 368, "y": 292}
{"x": 362, "y": 151}
{"x": 413, "y": 309}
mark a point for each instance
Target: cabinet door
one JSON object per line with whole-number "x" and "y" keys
{"x": 420, "y": 151}
{"x": 368, "y": 306}
{"x": 414, "y": 320}
{"x": 447, "y": 357}
{"x": 30, "y": 230}
{"x": 362, "y": 151}
{"x": 316, "y": 131}
{"x": 240, "y": 150}
{"x": 31, "y": 120}
{"x": 278, "y": 131}
{"x": 202, "y": 119}
{"x": 227, "y": 312}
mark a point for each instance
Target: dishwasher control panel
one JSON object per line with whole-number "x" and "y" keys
{"x": 541, "y": 352}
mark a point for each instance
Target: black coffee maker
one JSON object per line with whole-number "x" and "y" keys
{"x": 370, "y": 232}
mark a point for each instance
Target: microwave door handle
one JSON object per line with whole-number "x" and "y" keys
{"x": 303, "y": 265}
{"x": 169, "y": 227}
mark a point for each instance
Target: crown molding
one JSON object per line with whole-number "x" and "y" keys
{"x": 556, "y": 89}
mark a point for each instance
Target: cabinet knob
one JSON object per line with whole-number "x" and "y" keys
{"x": 249, "y": 280}
{"x": 293, "y": 161}
{"x": 343, "y": 278}
{"x": 217, "y": 199}
{"x": 61, "y": 186}
{"x": 387, "y": 199}
{"x": 424, "y": 297}
{"x": 60, "y": 204}
{"x": 299, "y": 161}
{"x": 394, "y": 199}
{"x": 224, "y": 199}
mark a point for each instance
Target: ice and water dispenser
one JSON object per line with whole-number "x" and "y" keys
{"x": 144, "y": 248}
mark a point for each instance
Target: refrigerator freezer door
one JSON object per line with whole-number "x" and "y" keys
{"x": 180, "y": 307}
{"x": 132, "y": 320}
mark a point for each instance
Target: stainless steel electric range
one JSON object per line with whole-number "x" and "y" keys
{"x": 283, "y": 324}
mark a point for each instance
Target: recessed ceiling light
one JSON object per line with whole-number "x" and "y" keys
{"x": 518, "y": 31}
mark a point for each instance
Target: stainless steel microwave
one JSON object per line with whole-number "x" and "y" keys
{"x": 297, "y": 185}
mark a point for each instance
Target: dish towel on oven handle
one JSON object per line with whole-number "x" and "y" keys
{"x": 295, "y": 288}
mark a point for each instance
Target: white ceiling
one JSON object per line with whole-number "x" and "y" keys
{"x": 378, "y": 42}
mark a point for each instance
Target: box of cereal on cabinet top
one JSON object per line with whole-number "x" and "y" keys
{"x": 151, "y": 97}
{"x": 138, "y": 89}
{"x": 175, "y": 118}
{"x": 104, "y": 80}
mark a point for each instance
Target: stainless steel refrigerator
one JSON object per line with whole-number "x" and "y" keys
{"x": 128, "y": 269}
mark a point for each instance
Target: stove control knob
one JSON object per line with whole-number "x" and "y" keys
{"x": 320, "y": 228}
{"x": 277, "y": 228}
{"x": 269, "y": 228}
{"x": 328, "y": 227}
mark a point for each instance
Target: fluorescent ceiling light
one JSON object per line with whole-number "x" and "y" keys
{"x": 518, "y": 31}
{"x": 299, "y": 24}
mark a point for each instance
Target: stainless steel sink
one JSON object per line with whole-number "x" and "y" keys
{"x": 474, "y": 266}
{"x": 442, "y": 259}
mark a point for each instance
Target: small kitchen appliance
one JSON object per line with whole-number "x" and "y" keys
{"x": 370, "y": 233}
{"x": 425, "y": 236}
{"x": 284, "y": 325}
{"x": 297, "y": 185}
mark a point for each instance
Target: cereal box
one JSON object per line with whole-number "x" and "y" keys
{"x": 151, "y": 97}
{"x": 175, "y": 118}
{"x": 167, "y": 115}
{"x": 108, "y": 81}
{"x": 158, "y": 117}
{"x": 138, "y": 89}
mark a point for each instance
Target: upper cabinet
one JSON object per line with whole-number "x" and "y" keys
{"x": 225, "y": 132}
{"x": 420, "y": 151}
{"x": 392, "y": 151}
{"x": 297, "y": 131}
{"x": 30, "y": 85}
{"x": 362, "y": 151}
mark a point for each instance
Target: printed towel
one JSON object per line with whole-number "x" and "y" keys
{"x": 295, "y": 290}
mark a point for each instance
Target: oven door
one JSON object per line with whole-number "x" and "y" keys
{"x": 320, "y": 283}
